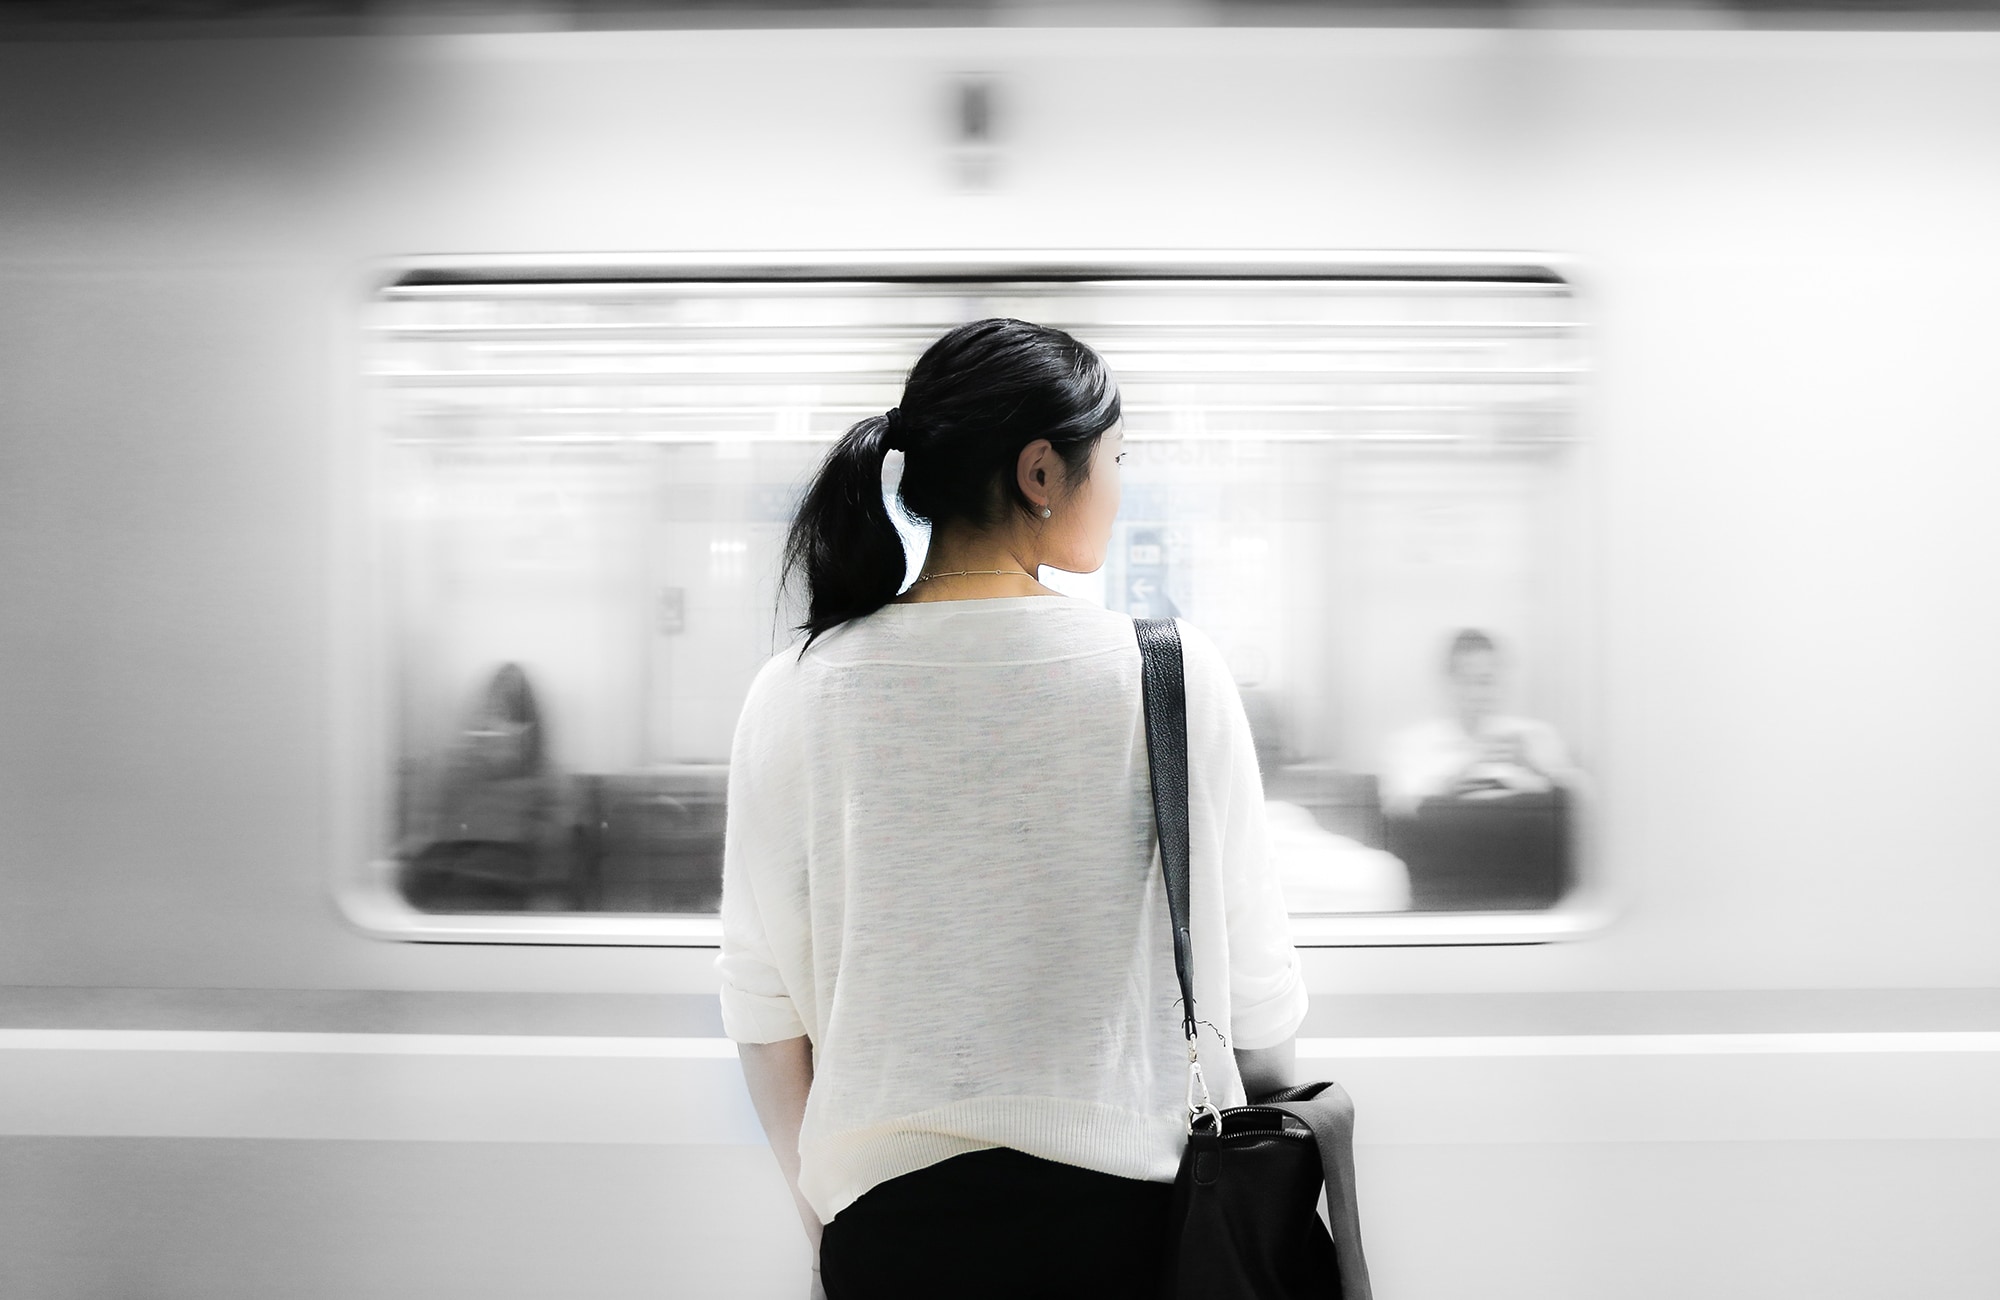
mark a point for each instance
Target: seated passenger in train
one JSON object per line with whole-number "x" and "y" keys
{"x": 494, "y": 840}
{"x": 1477, "y": 752}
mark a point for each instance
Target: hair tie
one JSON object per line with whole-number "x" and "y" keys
{"x": 892, "y": 428}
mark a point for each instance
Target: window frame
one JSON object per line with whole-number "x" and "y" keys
{"x": 363, "y": 760}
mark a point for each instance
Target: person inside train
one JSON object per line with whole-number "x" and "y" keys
{"x": 1475, "y": 752}
{"x": 494, "y": 839}
{"x": 945, "y": 953}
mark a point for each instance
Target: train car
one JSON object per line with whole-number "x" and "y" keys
{"x": 399, "y": 414}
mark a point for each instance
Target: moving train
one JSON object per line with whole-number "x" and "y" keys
{"x": 398, "y": 422}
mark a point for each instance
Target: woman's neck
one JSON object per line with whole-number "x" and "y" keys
{"x": 975, "y": 566}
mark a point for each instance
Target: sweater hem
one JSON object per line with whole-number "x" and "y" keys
{"x": 835, "y": 1171}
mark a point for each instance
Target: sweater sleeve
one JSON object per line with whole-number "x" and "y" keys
{"x": 1267, "y": 991}
{"x": 758, "y": 857}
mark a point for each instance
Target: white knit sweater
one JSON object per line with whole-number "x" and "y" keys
{"x": 940, "y": 866}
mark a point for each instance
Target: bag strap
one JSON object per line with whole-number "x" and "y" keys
{"x": 1325, "y": 1108}
{"x": 1164, "y": 686}
{"x": 1328, "y": 1111}
{"x": 1165, "y": 690}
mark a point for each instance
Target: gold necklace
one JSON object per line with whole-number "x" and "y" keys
{"x": 977, "y": 573}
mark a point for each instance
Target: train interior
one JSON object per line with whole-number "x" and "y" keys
{"x": 592, "y": 482}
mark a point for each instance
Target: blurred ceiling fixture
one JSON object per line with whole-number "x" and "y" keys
{"x": 975, "y": 152}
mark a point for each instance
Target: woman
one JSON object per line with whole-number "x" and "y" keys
{"x": 495, "y": 829}
{"x": 945, "y": 951}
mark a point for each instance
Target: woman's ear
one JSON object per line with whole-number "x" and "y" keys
{"x": 1035, "y": 470}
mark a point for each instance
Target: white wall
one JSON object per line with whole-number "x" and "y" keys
{"x": 1784, "y": 242}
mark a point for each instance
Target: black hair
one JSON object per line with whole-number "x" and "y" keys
{"x": 1469, "y": 641}
{"x": 974, "y": 399}
{"x": 509, "y": 698}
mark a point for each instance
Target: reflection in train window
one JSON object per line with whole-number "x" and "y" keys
{"x": 1367, "y": 489}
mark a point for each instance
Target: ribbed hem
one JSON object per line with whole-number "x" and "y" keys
{"x": 834, "y": 1171}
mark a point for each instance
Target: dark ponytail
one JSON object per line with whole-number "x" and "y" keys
{"x": 974, "y": 399}
{"x": 842, "y": 538}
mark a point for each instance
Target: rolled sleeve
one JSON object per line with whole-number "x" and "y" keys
{"x": 756, "y": 1005}
{"x": 757, "y": 860}
{"x": 1266, "y": 1010}
{"x": 1267, "y": 989}
{"x": 755, "y": 1008}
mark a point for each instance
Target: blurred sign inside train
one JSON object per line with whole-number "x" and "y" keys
{"x": 1366, "y": 482}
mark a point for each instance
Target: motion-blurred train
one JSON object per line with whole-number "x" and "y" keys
{"x": 398, "y": 427}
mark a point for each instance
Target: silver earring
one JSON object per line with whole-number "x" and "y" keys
{"x": 1045, "y": 512}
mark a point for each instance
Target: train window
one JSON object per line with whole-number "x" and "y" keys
{"x": 1365, "y": 479}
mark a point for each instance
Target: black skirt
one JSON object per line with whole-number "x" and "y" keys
{"x": 998, "y": 1223}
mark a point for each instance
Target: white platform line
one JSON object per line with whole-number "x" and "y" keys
{"x": 233, "y": 1040}
{"x": 1765, "y": 1044}
{"x": 553, "y": 1045}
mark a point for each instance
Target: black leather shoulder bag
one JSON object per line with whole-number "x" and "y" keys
{"x": 1246, "y": 1222}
